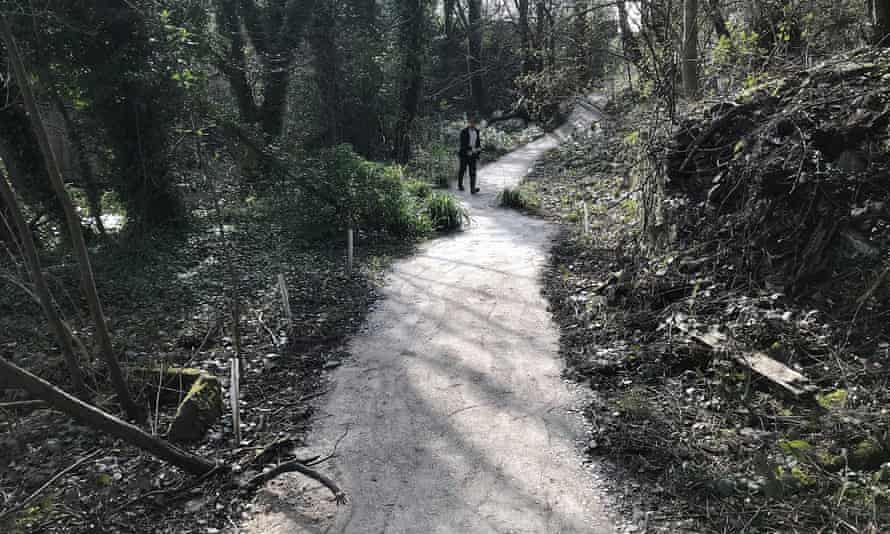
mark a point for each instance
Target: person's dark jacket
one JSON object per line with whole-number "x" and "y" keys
{"x": 465, "y": 147}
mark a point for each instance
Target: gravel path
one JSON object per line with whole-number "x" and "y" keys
{"x": 451, "y": 415}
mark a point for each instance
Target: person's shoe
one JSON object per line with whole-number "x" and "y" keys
{"x": 475, "y": 190}
{"x": 460, "y": 187}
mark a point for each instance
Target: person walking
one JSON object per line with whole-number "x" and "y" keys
{"x": 470, "y": 148}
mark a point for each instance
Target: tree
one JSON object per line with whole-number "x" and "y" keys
{"x": 690, "y": 48}
{"x": 474, "y": 56}
{"x": 275, "y": 29}
{"x": 73, "y": 221}
{"x": 524, "y": 35}
{"x": 717, "y": 18}
{"x": 326, "y": 61}
{"x": 881, "y": 15}
{"x": 41, "y": 288}
{"x": 412, "y": 31}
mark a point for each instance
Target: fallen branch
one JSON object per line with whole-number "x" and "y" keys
{"x": 23, "y": 405}
{"x": 298, "y": 466}
{"x": 48, "y": 483}
{"x": 102, "y": 421}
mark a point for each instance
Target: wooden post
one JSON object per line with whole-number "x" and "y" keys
{"x": 235, "y": 397}
{"x": 102, "y": 421}
{"x": 350, "y": 249}
{"x": 586, "y": 218}
{"x": 285, "y": 302}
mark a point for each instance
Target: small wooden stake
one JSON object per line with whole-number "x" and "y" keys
{"x": 350, "y": 249}
{"x": 234, "y": 396}
{"x": 285, "y": 302}
{"x": 586, "y": 218}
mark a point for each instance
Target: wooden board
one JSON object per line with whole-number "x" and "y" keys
{"x": 773, "y": 370}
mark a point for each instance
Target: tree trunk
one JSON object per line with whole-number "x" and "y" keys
{"x": 276, "y": 80}
{"x": 104, "y": 422}
{"x": 540, "y": 32}
{"x": 88, "y": 178}
{"x": 690, "y": 48}
{"x": 449, "y": 6}
{"x": 524, "y": 36}
{"x": 477, "y": 83}
{"x": 327, "y": 70}
{"x": 881, "y": 10}
{"x": 73, "y": 221}
{"x": 41, "y": 289}
{"x": 717, "y": 18}
{"x": 580, "y": 41}
{"x": 413, "y": 26}
{"x": 235, "y": 66}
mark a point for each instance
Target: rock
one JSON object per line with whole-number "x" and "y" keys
{"x": 200, "y": 409}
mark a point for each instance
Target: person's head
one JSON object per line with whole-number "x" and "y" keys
{"x": 472, "y": 121}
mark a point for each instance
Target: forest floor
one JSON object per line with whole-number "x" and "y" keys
{"x": 452, "y": 414}
{"x": 166, "y": 298}
{"x": 736, "y": 356}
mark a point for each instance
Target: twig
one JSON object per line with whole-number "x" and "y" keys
{"x": 23, "y": 404}
{"x": 49, "y": 483}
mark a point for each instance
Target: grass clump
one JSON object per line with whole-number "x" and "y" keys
{"x": 519, "y": 199}
{"x": 445, "y": 212}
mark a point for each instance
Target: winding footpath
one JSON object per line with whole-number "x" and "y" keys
{"x": 451, "y": 416}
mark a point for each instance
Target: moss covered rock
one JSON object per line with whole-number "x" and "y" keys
{"x": 198, "y": 411}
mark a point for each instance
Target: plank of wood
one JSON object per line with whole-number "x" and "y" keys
{"x": 777, "y": 372}
{"x": 773, "y": 370}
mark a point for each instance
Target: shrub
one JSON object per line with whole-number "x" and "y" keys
{"x": 343, "y": 189}
{"x": 445, "y": 212}
{"x": 418, "y": 188}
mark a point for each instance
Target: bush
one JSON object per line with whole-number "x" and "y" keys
{"x": 343, "y": 189}
{"x": 519, "y": 199}
{"x": 445, "y": 212}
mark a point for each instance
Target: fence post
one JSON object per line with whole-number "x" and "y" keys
{"x": 234, "y": 399}
{"x": 350, "y": 249}
{"x": 285, "y": 302}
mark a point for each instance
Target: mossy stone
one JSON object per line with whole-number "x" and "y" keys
{"x": 200, "y": 409}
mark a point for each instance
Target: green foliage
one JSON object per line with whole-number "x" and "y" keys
{"x": 519, "y": 198}
{"x": 445, "y": 212}
{"x": 342, "y": 189}
{"x": 418, "y": 189}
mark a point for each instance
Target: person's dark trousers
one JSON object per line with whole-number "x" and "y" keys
{"x": 467, "y": 163}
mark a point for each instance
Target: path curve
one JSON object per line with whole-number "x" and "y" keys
{"x": 452, "y": 414}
